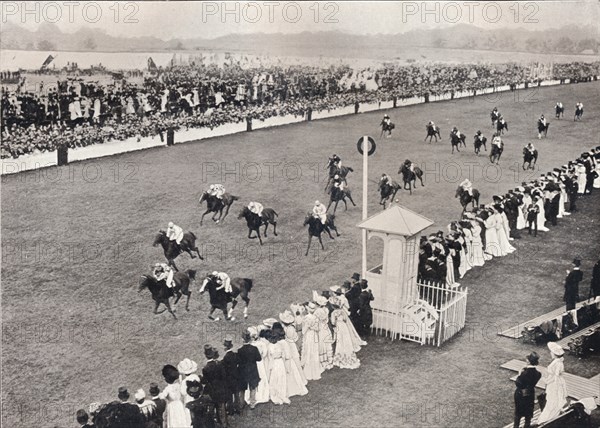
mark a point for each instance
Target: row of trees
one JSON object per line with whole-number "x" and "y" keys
{"x": 508, "y": 43}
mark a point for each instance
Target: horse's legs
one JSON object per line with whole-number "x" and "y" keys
{"x": 226, "y": 212}
{"x": 202, "y": 218}
{"x": 321, "y": 241}
{"x": 329, "y": 205}
{"x": 212, "y": 310}
{"x": 350, "y": 197}
{"x": 345, "y": 205}
{"x": 274, "y": 228}
{"x": 168, "y": 305}
{"x": 198, "y": 252}
{"x": 309, "y": 239}
{"x": 250, "y": 234}
{"x": 172, "y": 264}
{"x": 156, "y": 307}
{"x": 258, "y": 234}
{"x": 187, "y": 303}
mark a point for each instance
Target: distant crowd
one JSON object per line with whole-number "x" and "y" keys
{"x": 78, "y": 113}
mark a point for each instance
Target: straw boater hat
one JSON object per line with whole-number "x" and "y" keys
{"x": 253, "y": 331}
{"x": 269, "y": 322}
{"x": 319, "y": 300}
{"x": 187, "y": 367}
{"x": 139, "y": 395}
{"x": 311, "y": 306}
{"x": 556, "y": 349}
{"x": 337, "y": 290}
{"x": 287, "y": 317}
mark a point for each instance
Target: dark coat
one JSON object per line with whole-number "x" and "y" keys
{"x": 595, "y": 283}
{"x": 202, "y": 412}
{"x": 365, "y": 312}
{"x": 161, "y": 406}
{"x": 525, "y": 392}
{"x": 231, "y": 367}
{"x": 214, "y": 379}
{"x": 572, "y": 288}
{"x": 248, "y": 356}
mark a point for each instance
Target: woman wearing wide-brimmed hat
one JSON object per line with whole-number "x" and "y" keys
{"x": 556, "y": 388}
{"x": 310, "y": 345}
{"x": 175, "y": 414}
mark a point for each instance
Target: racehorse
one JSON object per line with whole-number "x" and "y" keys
{"x": 501, "y": 126}
{"x": 342, "y": 172}
{"x": 543, "y": 129}
{"x": 254, "y": 222}
{"x": 494, "y": 116}
{"x": 219, "y": 299}
{"x": 456, "y": 140}
{"x": 578, "y": 114}
{"x": 315, "y": 228}
{"x": 161, "y": 293}
{"x": 529, "y": 158}
{"x": 387, "y": 128}
{"x": 478, "y": 143}
{"x": 172, "y": 249}
{"x": 387, "y": 191}
{"x": 338, "y": 195}
{"x": 216, "y": 205}
{"x": 559, "y": 112}
{"x": 465, "y": 198}
{"x": 433, "y": 131}
{"x": 409, "y": 176}
{"x": 496, "y": 152}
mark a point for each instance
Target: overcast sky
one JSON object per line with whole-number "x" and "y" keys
{"x": 174, "y": 19}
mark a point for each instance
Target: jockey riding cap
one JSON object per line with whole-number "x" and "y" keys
{"x": 317, "y": 203}
{"x": 171, "y": 224}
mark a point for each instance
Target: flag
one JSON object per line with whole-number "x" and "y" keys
{"x": 48, "y": 61}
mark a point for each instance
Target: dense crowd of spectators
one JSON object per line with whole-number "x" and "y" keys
{"x": 77, "y": 114}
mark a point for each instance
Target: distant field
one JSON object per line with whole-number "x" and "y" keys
{"x": 76, "y": 239}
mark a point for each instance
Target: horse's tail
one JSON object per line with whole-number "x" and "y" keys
{"x": 192, "y": 235}
{"x": 248, "y": 283}
{"x": 234, "y": 198}
{"x": 275, "y": 213}
{"x": 350, "y": 169}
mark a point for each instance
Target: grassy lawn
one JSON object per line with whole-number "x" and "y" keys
{"x": 76, "y": 239}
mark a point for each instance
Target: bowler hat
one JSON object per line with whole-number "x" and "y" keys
{"x": 533, "y": 358}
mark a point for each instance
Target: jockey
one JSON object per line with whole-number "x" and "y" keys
{"x": 431, "y": 124}
{"x": 579, "y": 106}
{"x": 174, "y": 233}
{"x": 495, "y": 113}
{"x": 542, "y": 120}
{"x": 456, "y": 132}
{"x": 320, "y": 212}
{"x": 478, "y": 136}
{"x": 497, "y": 140}
{"x": 501, "y": 119}
{"x": 216, "y": 190}
{"x": 386, "y": 120}
{"x": 530, "y": 148}
{"x": 467, "y": 186}
{"x": 335, "y": 160}
{"x": 256, "y": 208}
{"x": 222, "y": 279}
{"x": 408, "y": 164}
{"x": 559, "y": 105}
{"x": 164, "y": 272}
{"x": 385, "y": 179}
{"x": 339, "y": 182}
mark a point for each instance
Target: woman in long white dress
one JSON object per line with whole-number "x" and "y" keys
{"x": 175, "y": 414}
{"x": 277, "y": 373}
{"x": 325, "y": 336}
{"x": 466, "y": 261}
{"x": 492, "y": 246}
{"x": 345, "y": 351}
{"x": 262, "y": 391}
{"x": 581, "y": 178}
{"x": 541, "y": 218}
{"x": 309, "y": 359}
{"x": 556, "y": 388}
{"x": 505, "y": 246}
{"x": 291, "y": 338}
{"x": 477, "y": 244}
{"x": 521, "y": 221}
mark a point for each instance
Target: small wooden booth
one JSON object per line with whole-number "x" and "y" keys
{"x": 403, "y": 308}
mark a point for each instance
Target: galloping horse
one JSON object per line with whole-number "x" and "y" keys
{"x": 494, "y": 116}
{"x": 161, "y": 293}
{"x": 338, "y": 195}
{"x": 433, "y": 131}
{"x": 254, "y": 222}
{"x": 456, "y": 140}
{"x": 477, "y": 143}
{"x": 496, "y": 152}
{"x": 578, "y": 114}
{"x": 172, "y": 249}
{"x": 529, "y": 158}
{"x": 315, "y": 228}
{"x": 465, "y": 198}
{"x": 543, "y": 129}
{"x": 559, "y": 111}
{"x": 409, "y": 176}
{"x": 501, "y": 126}
{"x": 342, "y": 171}
{"x": 387, "y": 191}
{"x": 219, "y": 299}
{"x": 216, "y": 205}
{"x": 387, "y": 129}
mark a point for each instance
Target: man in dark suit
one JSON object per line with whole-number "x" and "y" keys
{"x": 248, "y": 356}
{"x": 231, "y": 367}
{"x": 215, "y": 383}
{"x": 352, "y": 295}
{"x": 595, "y": 282}
{"x": 161, "y": 405}
{"x": 365, "y": 312}
{"x": 525, "y": 391}
{"x": 572, "y": 281}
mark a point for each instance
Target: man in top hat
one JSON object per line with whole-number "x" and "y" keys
{"x": 365, "y": 312}
{"x": 215, "y": 383}
{"x": 161, "y": 404}
{"x": 147, "y": 407}
{"x": 201, "y": 406}
{"x": 123, "y": 394}
{"x": 572, "y": 281}
{"x": 82, "y": 418}
{"x": 525, "y": 391}
{"x": 248, "y": 357}
{"x": 231, "y": 368}
{"x": 353, "y": 300}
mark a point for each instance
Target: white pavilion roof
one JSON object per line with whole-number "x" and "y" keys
{"x": 396, "y": 220}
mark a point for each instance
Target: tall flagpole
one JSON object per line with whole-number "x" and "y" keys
{"x": 364, "y": 202}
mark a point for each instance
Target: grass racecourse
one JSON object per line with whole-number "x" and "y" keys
{"x": 76, "y": 238}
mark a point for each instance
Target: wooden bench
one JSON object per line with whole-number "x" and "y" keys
{"x": 577, "y": 387}
{"x": 564, "y": 342}
{"x": 517, "y": 331}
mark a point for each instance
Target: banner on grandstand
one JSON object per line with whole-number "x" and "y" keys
{"x": 538, "y": 70}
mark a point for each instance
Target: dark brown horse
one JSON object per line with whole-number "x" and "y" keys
{"x": 466, "y": 198}
{"x": 387, "y": 191}
{"x": 216, "y": 205}
{"x": 172, "y": 249}
{"x": 315, "y": 228}
{"x": 409, "y": 176}
{"x": 219, "y": 299}
{"x": 338, "y": 195}
{"x": 161, "y": 293}
{"x": 254, "y": 222}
